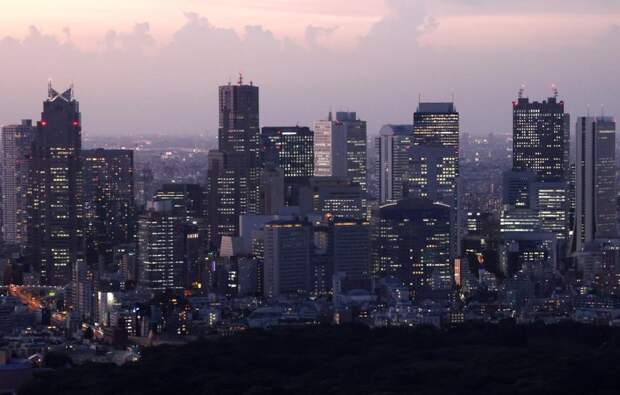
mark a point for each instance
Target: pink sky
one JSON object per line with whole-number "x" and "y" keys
{"x": 153, "y": 66}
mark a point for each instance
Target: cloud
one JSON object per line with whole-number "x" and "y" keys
{"x": 429, "y": 25}
{"x": 313, "y": 34}
{"x": 133, "y": 84}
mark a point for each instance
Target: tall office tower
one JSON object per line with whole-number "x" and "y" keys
{"x": 595, "y": 184}
{"x": 272, "y": 190}
{"x": 188, "y": 201}
{"x": 393, "y": 146}
{"x": 108, "y": 201}
{"x": 290, "y": 148}
{"x": 167, "y": 245}
{"x": 227, "y": 195}
{"x": 340, "y": 148}
{"x": 239, "y": 135}
{"x": 351, "y": 251}
{"x": 541, "y": 134}
{"x": 412, "y": 242}
{"x": 16, "y": 149}
{"x": 54, "y": 230}
{"x": 287, "y": 258}
{"x": 233, "y": 185}
{"x": 434, "y": 163}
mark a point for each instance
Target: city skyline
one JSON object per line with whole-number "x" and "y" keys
{"x": 175, "y": 71}
{"x": 347, "y": 197}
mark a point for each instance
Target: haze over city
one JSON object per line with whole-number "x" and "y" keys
{"x": 154, "y": 67}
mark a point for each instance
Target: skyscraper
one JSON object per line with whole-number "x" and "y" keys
{"x": 595, "y": 187}
{"x": 412, "y": 242}
{"x": 16, "y": 149}
{"x": 287, "y": 258}
{"x": 541, "y": 134}
{"x": 393, "y": 145}
{"x": 227, "y": 196}
{"x": 168, "y": 246}
{"x": 108, "y": 201}
{"x": 233, "y": 184}
{"x": 340, "y": 148}
{"x": 290, "y": 148}
{"x": 54, "y": 235}
{"x": 239, "y": 135}
{"x": 434, "y": 156}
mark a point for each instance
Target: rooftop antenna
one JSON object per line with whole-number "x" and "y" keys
{"x": 240, "y": 78}
{"x": 521, "y": 91}
{"x": 49, "y": 87}
{"x": 453, "y": 95}
{"x": 554, "y": 89}
{"x": 602, "y": 110}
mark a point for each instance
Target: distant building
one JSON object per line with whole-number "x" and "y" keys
{"x": 351, "y": 251}
{"x": 286, "y": 258}
{"x": 55, "y": 229}
{"x": 393, "y": 146}
{"x": 108, "y": 201}
{"x": 434, "y": 156}
{"x": 541, "y": 132}
{"x": 239, "y": 135}
{"x": 16, "y": 152}
{"x": 595, "y": 186}
{"x": 333, "y": 197}
{"x": 169, "y": 247}
{"x": 412, "y": 242}
{"x": 290, "y": 148}
{"x": 340, "y": 148}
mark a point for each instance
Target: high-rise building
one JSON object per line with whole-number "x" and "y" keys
{"x": 595, "y": 186}
{"x": 233, "y": 184}
{"x": 541, "y": 132}
{"x": 55, "y": 231}
{"x": 290, "y": 148}
{"x": 168, "y": 246}
{"x": 412, "y": 242}
{"x": 16, "y": 151}
{"x": 287, "y": 258}
{"x": 351, "y": 251}
{"x": 227, "y": 195}
{"x": 393, "y": 146}
{"x": 108, "y": 201}
{"x": 239, "y": 135}
{"x": 340, "y": 148}
{"x": 434, "y": 156}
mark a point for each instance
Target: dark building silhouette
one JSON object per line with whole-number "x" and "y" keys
{"x": 55, "y": 229}
{"x": 541, "y": 132}
{"x": 233, "y": 184}
{"x": 290, "y": 148}
{"x": 108, "y": 201}
{"x": 239, "y": 135}
{"x": 16, "y": 150}
{"x": 412, "y": 242}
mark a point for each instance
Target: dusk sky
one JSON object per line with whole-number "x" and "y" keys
{"x": 153, "y": 66}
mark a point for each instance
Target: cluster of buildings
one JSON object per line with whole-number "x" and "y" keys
{"x": 296, "y": 225}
